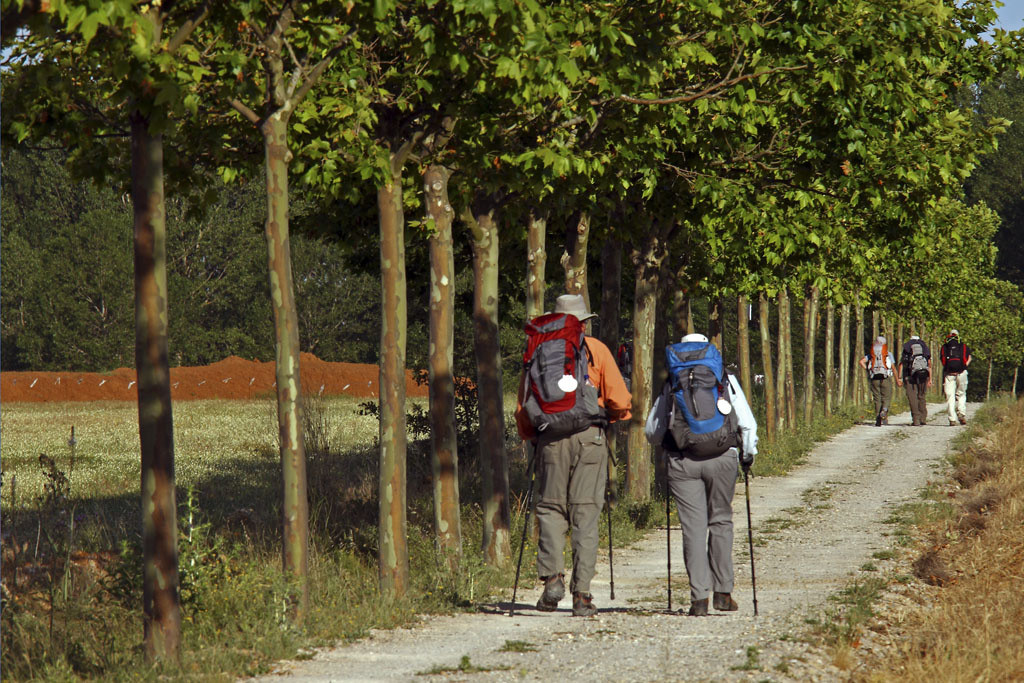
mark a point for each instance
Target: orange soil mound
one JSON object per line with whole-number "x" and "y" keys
{"x": 232, "y": 377}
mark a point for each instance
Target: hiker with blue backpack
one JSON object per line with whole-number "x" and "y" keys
{"x": 707, "y": 430}
{"x": 916, "y": 369}
{"x": 571, "y": 390}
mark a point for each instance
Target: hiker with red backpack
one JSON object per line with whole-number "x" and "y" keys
{"x": 571, "y": 390}
{"x": 916, "y": 369}
{"x": 880, "y": 364}
{"x": 703, "y": 422}
{"x": 955, "y": 358}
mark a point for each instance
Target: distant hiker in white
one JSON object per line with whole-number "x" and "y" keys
{"x": 880, "y": 364}
{"x": 701, "y": 419}
{"x": 955, "y": 358}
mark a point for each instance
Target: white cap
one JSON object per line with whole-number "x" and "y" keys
{"x": 914, "y": 336}
{"x": 954, "y": 333}
{"x": 881, "y": 339}
{"x": 694, "y": 338}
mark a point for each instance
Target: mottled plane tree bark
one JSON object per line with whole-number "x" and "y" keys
{"x": 770, "y": 417}
{"x": 830, "y": 343}
{"x": 743, "y": 343}
{"x": 536, "y": 262}
{"x": 780, "y": 373}
{"x": 844, "y": 356}
{"x": 480, "y": 218}
{"x": 574, "y": 258}
{"x": 810, "y": 333}
{"x": 647, "y": 260}
{"x": 790, "y": 372}
{"x": 444, "y": 460}
{"x": 860, "y": 381}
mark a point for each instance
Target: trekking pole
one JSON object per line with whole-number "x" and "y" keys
{"x": 668, "y": 536}
{"x": 526, "y": 529}
{"x": 750, "y": 537}
{"x": 611, "y": 565}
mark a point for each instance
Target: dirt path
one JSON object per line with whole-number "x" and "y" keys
{"x": 814, "y": 530}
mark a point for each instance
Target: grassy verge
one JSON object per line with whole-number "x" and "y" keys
{"x": 71, "y": 533}
{"x": 963, "y": 581}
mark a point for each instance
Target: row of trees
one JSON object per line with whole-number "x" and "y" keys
{"x": 708, "y": 148}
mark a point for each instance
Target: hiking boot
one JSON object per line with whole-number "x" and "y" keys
{"x": 583, "y": 605}
{"x": 953, "y": 423}
{"x": 698, "y": 608}
{"x": 878, "y": 420}
{"x": 554, "y": 590}
{"x": 885, "y": 421}
{"x": 963, "y": 420}
{"x": 724, "y": 603}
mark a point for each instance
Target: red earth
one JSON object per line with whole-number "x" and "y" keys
{"x": 232, "y": 377}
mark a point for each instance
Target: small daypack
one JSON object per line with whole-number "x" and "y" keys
{"x": 698, "y": 381}
{"x": 918, "y": 363}
{"x": 558, "y": 398}
{"x": 624, "y": 359}
{"x": 953, "y": 356}
{"x": 879, "y": 365}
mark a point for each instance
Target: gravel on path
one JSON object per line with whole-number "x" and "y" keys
{"x": 814, "y": 530}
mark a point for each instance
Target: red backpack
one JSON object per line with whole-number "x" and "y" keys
{"x": 558, "y": 397}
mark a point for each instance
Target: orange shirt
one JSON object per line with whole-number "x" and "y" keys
{"x": 604, "y": 374}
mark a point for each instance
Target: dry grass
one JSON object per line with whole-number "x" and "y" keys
{"x": 971, "y": 628}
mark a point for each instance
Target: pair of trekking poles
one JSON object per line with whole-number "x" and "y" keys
{"x": 668, "y": 537}
{"x": 526, "y": 529}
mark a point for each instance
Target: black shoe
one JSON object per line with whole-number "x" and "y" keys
{"x": 878, "y": 420}
{"x": 583, "y": 605}
{"x": 723, "y": 602}
{"x": 698, "y": 608}
{"x": 554, "y": 590}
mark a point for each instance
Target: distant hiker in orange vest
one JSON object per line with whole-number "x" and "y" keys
{"x": 879, "y": 364}
{"x": 571, "y": 453}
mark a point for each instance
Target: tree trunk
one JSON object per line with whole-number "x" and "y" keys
{"x": 536, "y": 258}
{"x": 1015, "y": 370}
{"x": 715, "y": 323}
{"x": 810, "y": 334}
{"x": 393, "y": 550}
{"x": 444, "y": 458}
{"x": 770, "y": 419}
{"x": 161, "y": 605}
{"x": 790, "y": 373}
{"x": 295, "y": 515}
{"x": 780, "y": 373}
{"x": 659, "y": 370}
{"x": 830, "y": 343}
{"x": 574, "y": 258}
{"x": 743, "y": 343}
{"x": 647, "y": 262}
{"x": 860, "y": 379}
{"x": 875, "y": 321}
{"x": 988, "y": 385}
{"x": 611, "y": 297}
{"x": 493, "y": 459}
{"x": 900, "y": 339}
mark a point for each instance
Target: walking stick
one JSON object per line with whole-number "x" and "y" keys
{"x": 526, "y": 529}
{"x": 750, "y": 537}
{"x": 668, "y": 536}
{"x": 611, "y": 565}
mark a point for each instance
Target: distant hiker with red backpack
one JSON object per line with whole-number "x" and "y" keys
{"x": 880, "y": 364}
{"x": 955, "y": 358}
{"x": 916, "y": 369}
{"x": 571, "y": 389}
{"x": 703, "y": 422}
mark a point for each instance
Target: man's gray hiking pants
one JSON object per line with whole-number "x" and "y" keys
{"x": 573, "y": 471}
{"x": 703, "y": 490}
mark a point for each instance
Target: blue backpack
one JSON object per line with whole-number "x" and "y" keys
{"x": 698, "y": 380}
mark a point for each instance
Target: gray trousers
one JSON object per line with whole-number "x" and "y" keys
{"x": 703, "y": 490}
{"x": 917, "y": 398}
{"x": 881, "y": 392}
{"x": 573, "y": 472}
